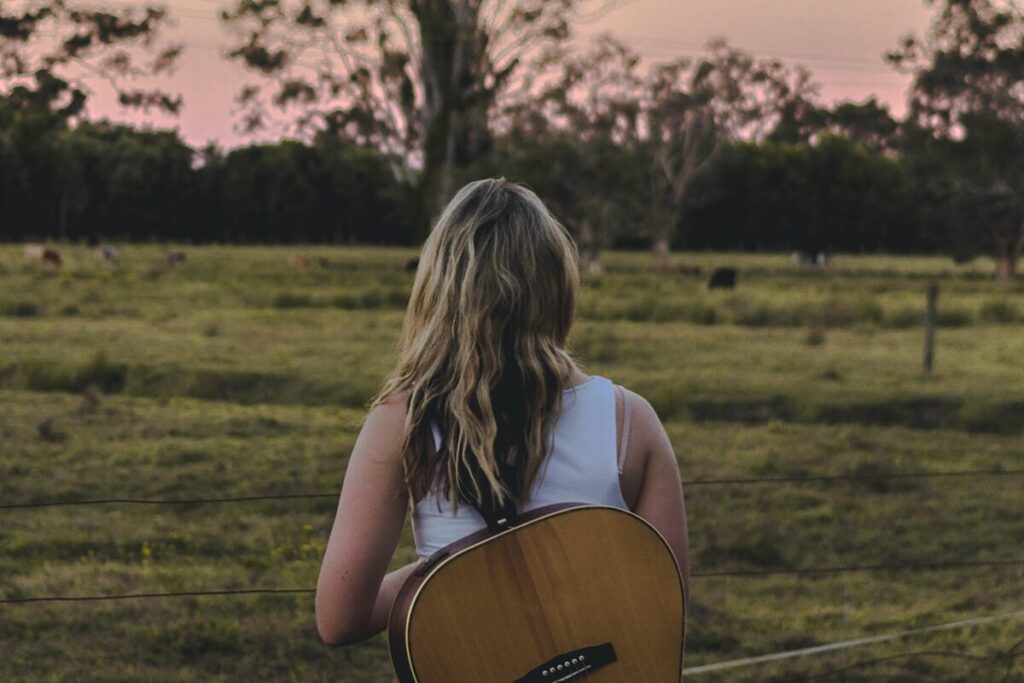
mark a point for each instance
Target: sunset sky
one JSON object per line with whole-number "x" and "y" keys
{"x": 840, "y": 41}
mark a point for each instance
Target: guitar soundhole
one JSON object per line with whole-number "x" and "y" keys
{"x": 569, "y": 665}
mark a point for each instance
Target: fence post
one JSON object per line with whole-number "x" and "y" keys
{"x": 931, "y": 311}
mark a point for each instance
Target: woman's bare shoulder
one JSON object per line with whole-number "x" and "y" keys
{"x": 383, "y": 430}
{"x": 644, "y": 419}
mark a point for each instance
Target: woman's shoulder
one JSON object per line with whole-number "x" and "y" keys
{"x": 385, "y": 425}
{"x": 637, "y": 404}
{"x": 645, "y": 426}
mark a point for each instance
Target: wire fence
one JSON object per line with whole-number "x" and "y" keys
{"x": 736, "y": 573}
{"x": 734, "y": 481}
{"x": 998, "y": 658}
{"x": 730, "y": 573}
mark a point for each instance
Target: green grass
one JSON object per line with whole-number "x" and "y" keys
{"x": 235, "y": 374}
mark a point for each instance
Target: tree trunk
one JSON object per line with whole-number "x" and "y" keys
{"x": 661, "y": 251}
{"x": 62, "y": 216}
{"x": 1006, "y": 267}
{"x": 589, "y": 262}
{"x": 455, "y": 110}
{"x": 1008, "y": 257}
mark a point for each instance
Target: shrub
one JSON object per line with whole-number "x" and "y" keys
{"x": 815, "y": 336}
{"x": 763, "y": 314}
{"x": 907, "y": 316}
{"x": 21, "y": 309}
{"x": 292, "y": 300}
{"x": 954, "y": 317}
{"x": 1000, "y": 311}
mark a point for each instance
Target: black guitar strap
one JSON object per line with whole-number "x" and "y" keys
{"x": 499, "y": 517}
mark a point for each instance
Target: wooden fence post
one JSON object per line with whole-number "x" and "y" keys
{"x": 931, "y": 312}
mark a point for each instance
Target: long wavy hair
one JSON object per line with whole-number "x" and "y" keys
{"x": 483, "y": 345}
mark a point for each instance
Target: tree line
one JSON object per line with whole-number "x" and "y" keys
{"x": 101, "y": 181}
{"x": 397, "y": 103}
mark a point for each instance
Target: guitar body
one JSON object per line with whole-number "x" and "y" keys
{"x": 572, "y": 592}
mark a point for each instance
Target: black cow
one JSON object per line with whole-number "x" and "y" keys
{"x": 722, "y": 278}
{"x": 412, "y": 264}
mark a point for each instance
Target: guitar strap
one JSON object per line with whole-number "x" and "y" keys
{"x": 498, "y": 517}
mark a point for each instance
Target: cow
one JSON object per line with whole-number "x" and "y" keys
{"x": 173, "y": 258}
{"x": 323, "y": 262}
{"x": 412, "y": 265}
{"x": 44, "y": 255}
{"x": 810, "y": 258}
{"x": 107, "y": 254}
{"x": 298, "y": 261}
{"x": 723, "y": 278}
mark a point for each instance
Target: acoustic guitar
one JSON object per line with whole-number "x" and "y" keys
{"x": 571, "y": 592}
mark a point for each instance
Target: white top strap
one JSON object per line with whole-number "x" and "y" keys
{"x": 627, "y": 413}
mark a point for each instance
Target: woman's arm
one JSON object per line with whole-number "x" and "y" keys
{"x": 353, "y": 595}
{"x": 660, "y": 500}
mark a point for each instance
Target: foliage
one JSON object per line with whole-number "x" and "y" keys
{"x": 53, "y": 52}
{"x": 967, "y": 122}
{"x": 415, "y": 79}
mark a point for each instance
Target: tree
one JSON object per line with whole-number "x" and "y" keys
{"x": 755, "y": 99}
{"x": 868, "y": 123}
{"x": 692, "y": 106}
{"x": 966, "y": 121}
{"x": 681, "y": 138}
{"x": 52, "y": 53}
{"x": 416, "y": 79}
{"x": 578, "y": 138}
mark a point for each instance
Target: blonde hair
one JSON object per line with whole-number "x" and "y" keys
{"x": 482, "y": 349}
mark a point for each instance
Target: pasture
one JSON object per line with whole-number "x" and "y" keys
{"x": 235, "y": 373}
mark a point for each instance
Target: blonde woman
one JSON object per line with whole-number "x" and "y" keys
{"x": 484, "y": 378}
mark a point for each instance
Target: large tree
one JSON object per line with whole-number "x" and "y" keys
{"x": 417, "y": 79}
{"x": 580, "y": 135}
{"x": 55, "y": 53}
{"x": 693, "y": 106}
{"x": 966, "y": 121}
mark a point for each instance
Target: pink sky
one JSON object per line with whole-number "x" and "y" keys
{"x": 840, "y": 41}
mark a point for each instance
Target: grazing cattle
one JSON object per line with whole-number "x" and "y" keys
{"x": 412, "y": 264}
{"x": 34, "y": 252}
{"x": 173, "y": 258}
{"x": 810, "y": 258}
{"x": 323, "y": 261}
{"x": 722, "y": 278}
{"x": 41, "y": 254}
{"x": 298, "y": 261}
{"x": 52, "y": 257}
{"x": 107, "y": 254}
{"x": 691, "y": 271}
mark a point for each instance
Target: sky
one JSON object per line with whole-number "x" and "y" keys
{"x": 840, "y": 41}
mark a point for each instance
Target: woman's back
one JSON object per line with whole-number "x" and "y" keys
{"x": 583, "y": 466}
{"x": 483, "y": 355}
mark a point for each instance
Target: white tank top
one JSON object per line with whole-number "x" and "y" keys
{"x": 582, "y": 466}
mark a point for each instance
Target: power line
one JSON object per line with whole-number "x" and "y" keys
{"x": 696, "y": 575}
{"x": 737, "y": 481}
{"x": 685, "y": 46}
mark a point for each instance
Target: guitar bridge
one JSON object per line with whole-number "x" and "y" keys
{"x": 569, "y": 665}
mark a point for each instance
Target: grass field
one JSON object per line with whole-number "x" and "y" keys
{"x": 235, "y": 374}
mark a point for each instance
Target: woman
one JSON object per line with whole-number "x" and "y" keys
{"x": 484, "y": 371}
